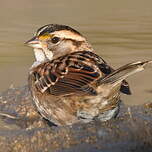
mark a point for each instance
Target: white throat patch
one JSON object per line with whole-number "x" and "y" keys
{"x": 42, "y": 56}
{"x": 39, "y": 55}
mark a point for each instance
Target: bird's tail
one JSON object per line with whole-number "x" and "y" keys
{"x": 117, "y": 76}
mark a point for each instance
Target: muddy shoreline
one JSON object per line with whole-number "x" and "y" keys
{"x": 22, "y": 129}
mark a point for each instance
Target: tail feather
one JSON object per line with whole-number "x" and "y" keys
{"x": 123, "y": 72}
{"x": 125, "y": 88}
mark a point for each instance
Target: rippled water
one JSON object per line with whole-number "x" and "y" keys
{"x": 120, "y": 31}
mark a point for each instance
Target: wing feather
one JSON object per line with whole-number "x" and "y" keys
{"x": 71, "y": 74}
{"x": 68, "y": 74}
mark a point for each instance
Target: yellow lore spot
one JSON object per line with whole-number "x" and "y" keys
{"x": 44, "y": 37}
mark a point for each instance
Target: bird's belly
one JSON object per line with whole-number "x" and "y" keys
{"x": 56, "y": 110}
{"x": 96, "y": 106}
{"x": 72, "y": 109}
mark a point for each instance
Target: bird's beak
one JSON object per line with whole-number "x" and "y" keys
{"x": 33, "y": 42}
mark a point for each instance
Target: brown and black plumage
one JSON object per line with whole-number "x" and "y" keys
{"x": 69, "y": 82}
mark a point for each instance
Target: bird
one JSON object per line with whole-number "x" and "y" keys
{"x": 70, "y": 83}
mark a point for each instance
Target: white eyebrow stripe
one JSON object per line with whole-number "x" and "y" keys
{"x": 68, "y": 35}
{"x": 45, "y": 27}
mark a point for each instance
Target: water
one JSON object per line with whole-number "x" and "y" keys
{"x": 120, "y": 31}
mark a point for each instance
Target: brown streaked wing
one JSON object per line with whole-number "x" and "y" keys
{"x": 77, "y": 81}
{"x": 68, "y": 75}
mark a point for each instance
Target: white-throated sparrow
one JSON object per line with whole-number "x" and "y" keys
{"x": 69, "y": 82}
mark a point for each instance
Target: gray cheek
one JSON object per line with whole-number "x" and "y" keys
{"x": 50, "y": 46}
{"x": 60, "y": 48}
{"x": 57, "y": 48}
{"x": 64, "y": 46}
{"x": 48, "y": 53}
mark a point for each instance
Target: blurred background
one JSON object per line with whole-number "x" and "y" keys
{"x": 120, "y": 31}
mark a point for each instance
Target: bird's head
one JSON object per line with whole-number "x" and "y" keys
{"x": 53, "y": 40}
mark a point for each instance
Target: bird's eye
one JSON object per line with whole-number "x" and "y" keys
{"x": 55, "y": 39}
